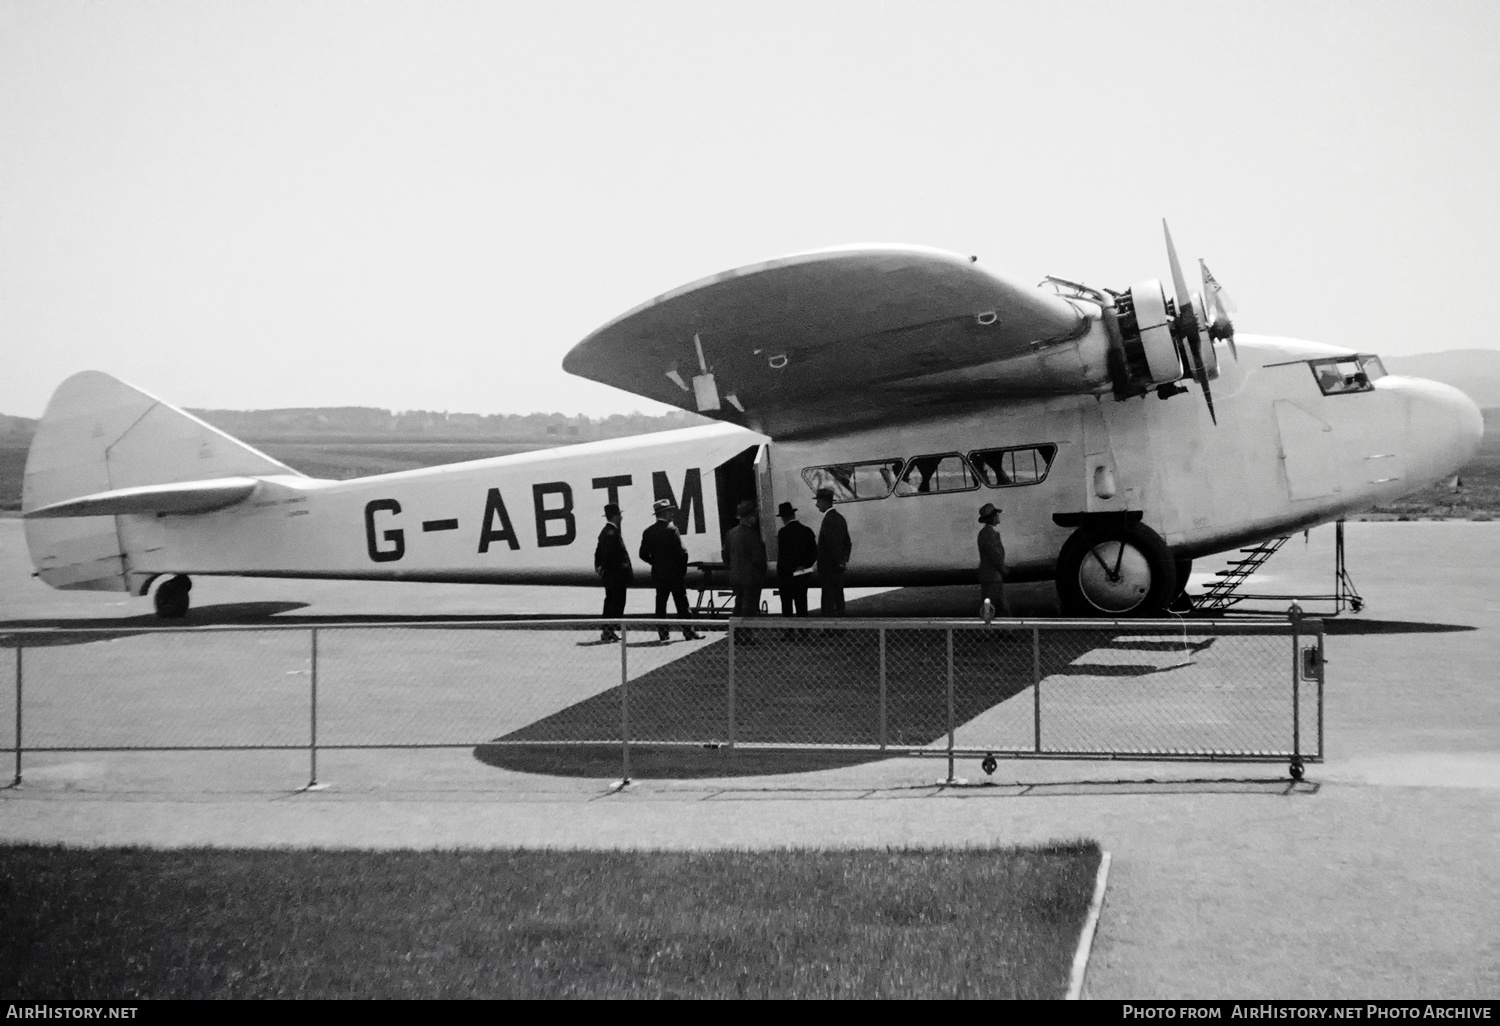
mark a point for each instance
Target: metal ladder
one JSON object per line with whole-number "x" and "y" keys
{"x": 1222, "y": 593}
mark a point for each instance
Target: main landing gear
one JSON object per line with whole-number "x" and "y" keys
{"x": 1116, "y": 570}
{"x": 171, "y": 597}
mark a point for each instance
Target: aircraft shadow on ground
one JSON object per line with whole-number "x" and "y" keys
{"x": 812, "y": 689}
{"x": 80, "y": 632}
{"x": 1352, "y": 626}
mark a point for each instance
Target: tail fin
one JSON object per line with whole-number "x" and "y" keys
{"x": 98, "y": 435}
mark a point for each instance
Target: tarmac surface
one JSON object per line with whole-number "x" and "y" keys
{"x": 1374, "y": 878}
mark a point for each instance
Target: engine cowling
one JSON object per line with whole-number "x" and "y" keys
{"x": 1151, "y": 354}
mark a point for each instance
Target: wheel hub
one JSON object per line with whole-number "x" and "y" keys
{"x": 1115, "y": 577}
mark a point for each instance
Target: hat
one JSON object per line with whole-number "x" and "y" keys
{"x": 825, "y": 493}
{"x": 611, "y": 510}
{"x": 664, "y": 505}
{"x": 786, "y": 510}
{"x": 745, "y": 508}
{"x": 986, "y": 511}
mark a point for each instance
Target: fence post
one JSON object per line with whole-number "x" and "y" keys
{"x": 624, "y": 708}
{"x": 951, "y": 778}
{"x": 312, "y": 779}
{"x": 1295, "y": 615}
{"x": 17, "y": 782}
{"x": 1320, "y": 672}
{"x": 731, "y": 683}
{"x": 1036, "y": 689}
{"x": 882, "y": 689}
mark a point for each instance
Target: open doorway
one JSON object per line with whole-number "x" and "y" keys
{"x": 734, "y": 480}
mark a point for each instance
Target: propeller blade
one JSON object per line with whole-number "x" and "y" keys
{"x": 1179, "y": 283}
{"x": 1220, "y": 306}
{"x": 1211, "y": 285}
{"x": 1187, "y": 324}
{"x": 1208, "y": 397}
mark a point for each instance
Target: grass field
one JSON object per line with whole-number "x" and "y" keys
{"x": 135, "y": 923}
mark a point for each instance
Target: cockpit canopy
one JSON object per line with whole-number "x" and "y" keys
{"x": 1345, "y": 374}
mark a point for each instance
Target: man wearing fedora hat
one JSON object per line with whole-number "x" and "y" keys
{"x": 796, "y": 549}
{"x": 991, "y": 560}
{"x": 746, "y": 555}
{"x": 612, "y": 564}
{"x": 834, "y": 548}
{"x": 661, "y": 547}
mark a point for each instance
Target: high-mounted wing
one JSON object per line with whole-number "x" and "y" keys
{"x": 837, "y": 336}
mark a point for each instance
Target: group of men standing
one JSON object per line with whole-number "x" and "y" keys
{"x": 661, "y": 549}
{"x": 799, "y": 552}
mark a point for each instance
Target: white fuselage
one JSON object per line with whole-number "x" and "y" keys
{"x": 1282, "y": 456}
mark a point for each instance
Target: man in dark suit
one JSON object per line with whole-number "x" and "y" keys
{"x": 746, "y": 555}
{"x": 612, "y": 564}
{"x": 796, "y": 549}
{"x": 991, "y": 561}
{"x": 834, "y": 548}
{"x": 662, "y": 549}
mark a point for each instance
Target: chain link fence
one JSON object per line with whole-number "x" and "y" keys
{"x": 1150, "y": 690}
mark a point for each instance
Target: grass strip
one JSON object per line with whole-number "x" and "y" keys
{"x": 117, "y": 923}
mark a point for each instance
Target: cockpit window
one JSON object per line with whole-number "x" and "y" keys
{"x": 927, "y": 475}
{"x": 1345, "y": 374}
{"x": 1371, "y": 365}
{"x": 854, "y": 482}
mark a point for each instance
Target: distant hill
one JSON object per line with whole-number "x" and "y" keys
{"x": 350, "y": 423}
{"x": 16, "y": 430}
{"x": 1475, "y": 372}
{"x": 369, "y": 424}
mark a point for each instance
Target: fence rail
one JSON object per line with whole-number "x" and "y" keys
{"x": 1051, "y": 689}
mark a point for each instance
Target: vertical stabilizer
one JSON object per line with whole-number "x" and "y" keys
{"x": 98, "y": 434}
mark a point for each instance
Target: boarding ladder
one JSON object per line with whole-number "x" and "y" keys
{"x": 1224, "y": 592}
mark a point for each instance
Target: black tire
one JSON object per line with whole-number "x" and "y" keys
{"x": 1115, "y": 571}
{"x": 171, "y": 597}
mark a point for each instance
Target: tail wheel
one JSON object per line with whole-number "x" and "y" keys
{"x": 1116, "y": 570}
{"x": 171, "y": 597}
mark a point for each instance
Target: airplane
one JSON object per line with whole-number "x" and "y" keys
{"x": 1122, "y": 434}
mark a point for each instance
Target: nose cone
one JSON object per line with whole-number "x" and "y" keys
{"x": 1444, "y": 428}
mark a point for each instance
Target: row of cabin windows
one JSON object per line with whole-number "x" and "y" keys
{"x": 934, "y": 474}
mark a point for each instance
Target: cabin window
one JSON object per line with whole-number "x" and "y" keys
{"x": 854, "y": 482}
{"x": 1007, "y": 468}
{"x": 928, "y": 475}
{"x": 1342, "y": 376}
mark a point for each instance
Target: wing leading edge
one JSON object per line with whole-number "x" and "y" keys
{"x": 863, "y": 332}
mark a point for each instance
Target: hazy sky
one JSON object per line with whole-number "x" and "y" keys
{"x": 424, "y": 205}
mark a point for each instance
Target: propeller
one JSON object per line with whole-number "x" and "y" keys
{"x": 1187, "y": 325}
{"x": 1220, "y": 306}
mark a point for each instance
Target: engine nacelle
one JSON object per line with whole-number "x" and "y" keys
{"x": 1146, "y": 324}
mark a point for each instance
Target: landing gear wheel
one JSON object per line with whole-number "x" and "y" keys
{"x": 1296, "y": 769}
{"x": 1115, "y": 570}
{"x": 171, "y": 597}
{"x": 988, "y": 765}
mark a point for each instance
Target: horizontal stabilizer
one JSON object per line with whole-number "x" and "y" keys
{"x": 181, "y": 497}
